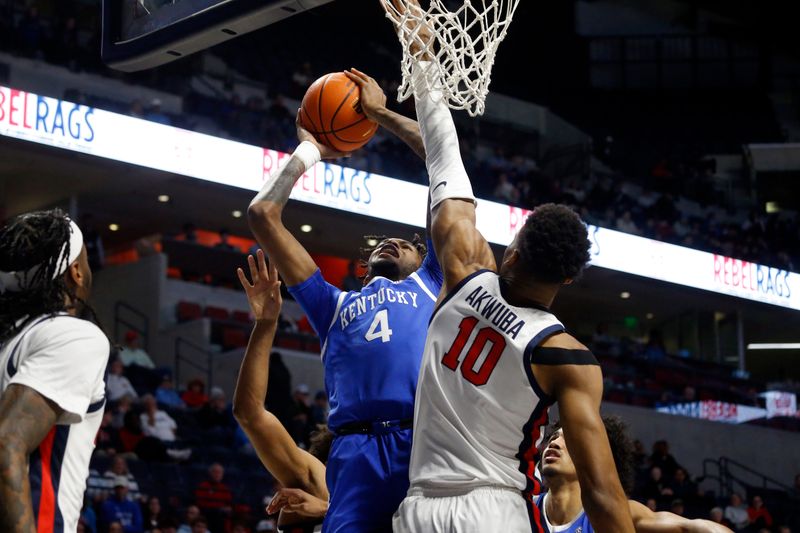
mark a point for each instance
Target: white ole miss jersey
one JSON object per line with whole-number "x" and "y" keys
{"x": 64, "y": 359}
{"x": 479, "y": 412}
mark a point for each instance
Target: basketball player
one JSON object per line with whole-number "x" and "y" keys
{"x": 372, "y": 340}
{"x": 560, "y": 507}
{"x": 289, "y": 464}
{"x": 496, "y": 359}
{"x": 52, "y": 366}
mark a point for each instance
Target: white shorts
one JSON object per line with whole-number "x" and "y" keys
{"x": 481, "y": 510}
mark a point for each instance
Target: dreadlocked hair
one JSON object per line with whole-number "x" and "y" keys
{"x": 417, "y": 241}
{"x": 320, "y": 443}
{"x": 622, "y": 448}
{"x": 29, "y": 240}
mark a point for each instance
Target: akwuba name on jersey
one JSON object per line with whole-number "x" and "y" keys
{"x": 495, "y": 311}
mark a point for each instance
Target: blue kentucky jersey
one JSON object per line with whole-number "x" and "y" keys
{"x": 372, "y": 341}
{"x": 579, "y": 525}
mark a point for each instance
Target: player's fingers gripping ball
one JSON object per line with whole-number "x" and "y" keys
{"x": 331, "y": 112}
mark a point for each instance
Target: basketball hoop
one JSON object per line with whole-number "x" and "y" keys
{"x": 460, "y": 44}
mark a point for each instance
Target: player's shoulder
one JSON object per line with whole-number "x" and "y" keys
{"x": 564, "y": 341}
{"x": 66, "y": 328}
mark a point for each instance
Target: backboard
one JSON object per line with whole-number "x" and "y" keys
{"x": 140, "y": 34}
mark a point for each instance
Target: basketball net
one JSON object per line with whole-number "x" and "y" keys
{"x": 461, "y": 47}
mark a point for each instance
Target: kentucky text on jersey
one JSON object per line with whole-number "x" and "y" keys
{"x": 495, "y": 311}
{"x": 367, "y": 303}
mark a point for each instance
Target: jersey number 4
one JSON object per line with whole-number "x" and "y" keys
{"x": 485, "y": 335}
{"x": 379, "y": 329}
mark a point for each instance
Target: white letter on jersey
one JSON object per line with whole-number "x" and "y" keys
{"x": 381, "y": 321}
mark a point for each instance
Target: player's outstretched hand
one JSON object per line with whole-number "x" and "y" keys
{"x": 264, "y": 293}
{"x": 423, "y": 36}
{"x": 298, "y": 503}
{"x": 373, "y": 99}
{"x": 305, "y": 135}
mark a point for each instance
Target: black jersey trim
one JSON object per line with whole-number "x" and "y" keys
{"x": 562, "y": 356}
{"x": 527, "y": 359}
{"x": 457, "y": 288}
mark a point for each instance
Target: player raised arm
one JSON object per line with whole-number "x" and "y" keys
{"x": 646, "y": 521}
{"x": 568, "y": 372}
{"x": 460, "y": 247}
{"x": 373, "y": 103}
{"x": 25, "y": 419}
{"x": 265, "y": 212}
{"x": 277, "y": 450}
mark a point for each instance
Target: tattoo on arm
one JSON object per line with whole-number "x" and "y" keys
{"x": 278, "y": 189}
{"x": 25, "y": 419}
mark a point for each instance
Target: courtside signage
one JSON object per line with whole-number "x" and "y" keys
{"x": 84, "y": 129}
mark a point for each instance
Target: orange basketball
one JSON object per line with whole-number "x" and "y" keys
{"x": 331, "y": 112}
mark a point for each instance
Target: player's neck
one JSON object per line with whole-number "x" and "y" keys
{"x": 521, "y": 292}
{"x": 563, "y": 503}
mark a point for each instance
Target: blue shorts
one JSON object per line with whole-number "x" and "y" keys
{"x": 367, "y": 477}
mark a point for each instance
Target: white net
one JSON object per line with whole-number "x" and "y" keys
{"x": 460, "y": 42}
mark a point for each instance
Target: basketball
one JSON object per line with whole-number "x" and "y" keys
{"x": 331, "y": 111}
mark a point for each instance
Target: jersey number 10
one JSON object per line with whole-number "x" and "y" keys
{"x": 485, "y": 335}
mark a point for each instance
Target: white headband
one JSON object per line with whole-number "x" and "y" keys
{"x": 18, "y": 281}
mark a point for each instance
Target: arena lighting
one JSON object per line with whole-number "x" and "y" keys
{"x": 649, "y": 316}
{"x": 237, "y": 214}
{"x": 305, "y": 228}
{"x": 372, "y": 242}
{"x": 774, "y": 346}
{"x": 79, "y": 128}
{"x": 624, "y": 295}
{"x": 113, "y": 227}
{"x": 163, "y": 198}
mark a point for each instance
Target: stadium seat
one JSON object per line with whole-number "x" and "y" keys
{"x": 234, "y": 338}
{"x": 241, "y": 316}
{"x": 216, "y": 313}
{"x": 188, "y": 311}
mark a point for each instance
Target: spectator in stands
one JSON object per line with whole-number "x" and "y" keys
{"x": 302, "y": 78}
{"x": 654, "y": 349}
{"x": 153, "y": 514}
{"x": 189, "y": 233}
{"x": 94, "y": 244}
{"x": 663, "y": 459}
{"x": 31, "y": 33}
{"x": 505, "y": 191}
{"x": 117, "y": 384}
{"x": 216, "y": 414}
{"x": 279, "y": 389}
{"x": 351, "y": 282}
{"x": 195, "y": 394}
{"x": 677, "y": 507}
{"x": 132, "y": 352}
{"x": 155, "y": 422}
{"x": 223, "y": 243}
{"x": 689, "y": 394}
{"x": 192, "y": 514}
{"x": 88, "y": 516}
{"x": 320, "y": 409}
{"x": 119, "y": 508}
{"x": 154, "y": 114}
{"x": 625, "y": 223}
{"x": 736, "y": 513}
{"x": 758, "y": 515}
{"x": 115, "y": 527}
{"x": 119, "y": 468}
{"x": 167, "y": 395}
{"x": 716, "y": 515}
{"x": 200, "y": 525}
{"x": 656, "y": 487}
{"x": 301, "y": 418}
{"x": 265, "y": 526}
{"x": 682, "y": 487}
{"x": 107, "y": 441}
{"x": 136, "y": 110}
{"x": 123, "y": 407}
{"x": 167, "y": 525}
{"x": 651, "y": 504}
{"x": 214, "y": 497}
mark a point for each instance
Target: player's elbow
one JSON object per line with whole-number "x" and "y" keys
{"x": 244, "y": 413}
{"x": 263, "y": 215}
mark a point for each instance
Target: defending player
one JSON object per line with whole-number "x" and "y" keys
{"x": 560, "y": 507}
{"x": 496, "y": 359}
{"x": 52, "y": 366}
{"x": 290, "y": 465}
{"x": 372, "y": 340}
